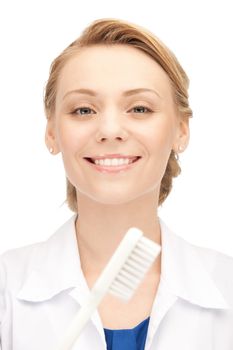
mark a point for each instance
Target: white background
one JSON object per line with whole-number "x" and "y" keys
{"x": 32, "y": 183}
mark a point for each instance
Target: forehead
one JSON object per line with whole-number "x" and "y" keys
{"x": 112, "y": 69}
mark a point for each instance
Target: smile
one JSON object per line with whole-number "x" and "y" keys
{"x": 112, "y": 165}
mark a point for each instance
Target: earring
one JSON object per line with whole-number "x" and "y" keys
{"x": 180, "y": 148}
{"x": 51, "y": 150}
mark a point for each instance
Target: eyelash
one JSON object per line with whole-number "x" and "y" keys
{"x": 84, "y": 107}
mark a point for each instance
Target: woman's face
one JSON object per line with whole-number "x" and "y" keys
{"x": 115, "y": 102}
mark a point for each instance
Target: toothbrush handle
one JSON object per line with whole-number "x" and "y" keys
{"x": 80, "y": 320}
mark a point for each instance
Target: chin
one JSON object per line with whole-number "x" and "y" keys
{"x": 110, "y": 197}
{"x": 113, "y": 200}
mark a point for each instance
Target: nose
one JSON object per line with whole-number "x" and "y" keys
{"x": 111, "y": 127}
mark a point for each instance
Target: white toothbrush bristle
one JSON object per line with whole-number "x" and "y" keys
{"x": 135, "y": 268}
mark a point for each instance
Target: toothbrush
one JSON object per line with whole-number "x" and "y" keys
{"x": 121, "y": 277}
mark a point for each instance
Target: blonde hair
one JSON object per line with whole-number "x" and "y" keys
{"x": 111, "y": 32}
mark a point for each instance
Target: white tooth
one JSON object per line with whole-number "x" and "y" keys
{"x": 116, "y": 161}
{"x": 113, "y": 162}
{"x": 124, "y": 161}
{"x": 119, "y": 161}
{"x": 107, "y": 162}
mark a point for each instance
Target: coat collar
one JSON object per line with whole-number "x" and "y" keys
{"x": 55, "y": 267}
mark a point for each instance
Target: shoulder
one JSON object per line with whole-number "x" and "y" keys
{"x": 16, "y": 264}
{"x": 220, "y": 268}
{"x": 215, "y": 261}
{"x": 204, "y": 273}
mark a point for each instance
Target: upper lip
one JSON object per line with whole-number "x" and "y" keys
{"x": 110, "y": 156}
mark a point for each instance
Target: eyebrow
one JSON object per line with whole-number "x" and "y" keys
{"x": 125, "y": 93}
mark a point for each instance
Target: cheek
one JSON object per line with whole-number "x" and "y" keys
{"x": 159, "y": 143}
{"x": 71, "y": 139}
{"x": 159, "y": 136}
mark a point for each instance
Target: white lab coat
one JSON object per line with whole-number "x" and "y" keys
{"x": 42, "y": 287}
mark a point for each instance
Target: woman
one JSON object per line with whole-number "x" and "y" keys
{"x": 117, "y": 109}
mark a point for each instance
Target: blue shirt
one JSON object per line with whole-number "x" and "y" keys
{"x": 127, "y": 339}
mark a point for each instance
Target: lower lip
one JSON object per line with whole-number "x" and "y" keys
{"x": 112, "y": 169}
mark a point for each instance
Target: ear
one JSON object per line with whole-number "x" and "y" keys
{"x": 50, "y": 135}
{"x": 182, "y": 135}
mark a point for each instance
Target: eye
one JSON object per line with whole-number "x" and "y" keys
{"x": 140, "y": 109}
{"x": 83, "y": 111}
{"x": 87, "y": 110}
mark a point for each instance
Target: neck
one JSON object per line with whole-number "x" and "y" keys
{"x": 101, "y": 227}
